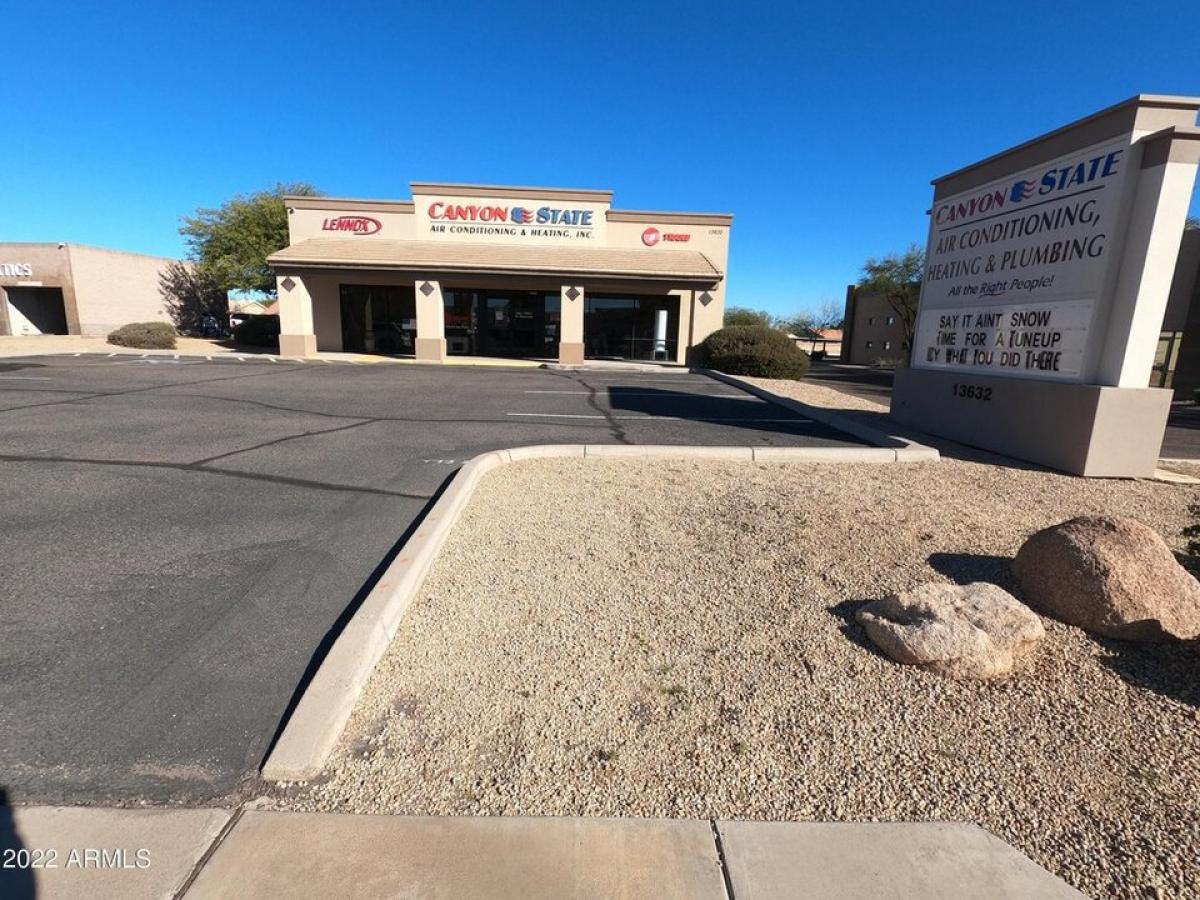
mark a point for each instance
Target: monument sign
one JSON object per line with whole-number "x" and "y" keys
{"x": 1047, "y": 274}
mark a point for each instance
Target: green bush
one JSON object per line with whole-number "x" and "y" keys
{"x": 144, "y": 336}
{"x": 258, "y": 331}
{"x": 754, "y": 350}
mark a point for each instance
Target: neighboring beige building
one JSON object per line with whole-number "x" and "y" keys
{"x": 48, "y": 288}
{"x": 820, "y": 340}
{"x": 505, "y": 271}
{"x": 871, "y": 331}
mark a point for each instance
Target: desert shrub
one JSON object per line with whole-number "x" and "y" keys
{"x": 754, "y": 350}
{"x": 144, "y": 336}
{"x": 258, "y": 331}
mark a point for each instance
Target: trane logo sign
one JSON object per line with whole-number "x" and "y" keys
{"x": 16, "y": 270}
{"x": 352, "y": 224}
{"x": 652, "y": 236}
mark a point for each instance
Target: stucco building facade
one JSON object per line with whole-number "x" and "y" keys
{"x": 49, "y": 288}
{"x": 465, "y": 269}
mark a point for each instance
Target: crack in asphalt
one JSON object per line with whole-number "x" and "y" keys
{"x": 210, "y": 470}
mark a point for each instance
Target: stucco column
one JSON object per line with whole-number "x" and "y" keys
{"x": 296, "y": 335}
{"x": 431, "y": 322}
{"x": 570, "y": 345}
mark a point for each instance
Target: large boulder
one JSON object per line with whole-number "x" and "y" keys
{"x": 976, "y": 630}
{"x": 1110, "y": 576}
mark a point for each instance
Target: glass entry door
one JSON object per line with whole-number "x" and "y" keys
{"x": 502, "y": 323}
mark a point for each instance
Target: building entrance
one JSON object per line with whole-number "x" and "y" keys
{"x": 502, "y": 323}
{"x": 36, "y": 310}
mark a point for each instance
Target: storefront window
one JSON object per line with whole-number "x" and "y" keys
{"x": 502, "y": 323}
{"x": 378, "y": 318}
{"x": 627, "y": 327}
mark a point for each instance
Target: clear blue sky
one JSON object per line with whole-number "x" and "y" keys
{"x": 819, "y": 128}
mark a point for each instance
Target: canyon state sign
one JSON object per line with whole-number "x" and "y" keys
{"x": 1016, "y": 269}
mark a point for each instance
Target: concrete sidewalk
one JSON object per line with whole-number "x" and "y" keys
{"x": 209, "y": 853}
{"x": 206, "y": 348}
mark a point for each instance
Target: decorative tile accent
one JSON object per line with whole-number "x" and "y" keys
{"x": 426, "y": 288}
{"x": 287, "y": 284}
{"x": 706, "y": 298}
{"x": 572, "y": 293}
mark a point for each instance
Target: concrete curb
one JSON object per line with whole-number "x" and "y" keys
{"x": 312, "y": 731}
{"x": 906, "y": 450}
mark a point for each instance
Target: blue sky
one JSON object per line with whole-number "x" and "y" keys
{"x": 819, "y": 128}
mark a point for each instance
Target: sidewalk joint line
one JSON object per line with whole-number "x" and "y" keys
{"x": 208, "y": 854}
{"x": 721, "y": 859}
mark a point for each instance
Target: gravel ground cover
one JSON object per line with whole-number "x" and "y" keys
{"x": 655, "y": 638}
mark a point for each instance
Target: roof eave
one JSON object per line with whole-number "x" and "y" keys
{"x": 383, "y": 265}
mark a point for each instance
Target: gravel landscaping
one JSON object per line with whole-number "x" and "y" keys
{"x": 654, "y": 638}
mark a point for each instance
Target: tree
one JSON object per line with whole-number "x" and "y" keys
{"x": 827, "y": 315}
{"x": 229, "y": 245}
{"x": 1192, "y": 224}
{"x": 189, "y": 294}
{"x": 897, "y": 278}
{"x": 740, "y": 315}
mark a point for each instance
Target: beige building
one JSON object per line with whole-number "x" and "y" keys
{"x": 872, "y": 331}
{"x": 50, "y": 288}
{"x": 465, "y": 269}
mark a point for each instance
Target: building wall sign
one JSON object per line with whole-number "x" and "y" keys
{"x": 519, "y": 220}
{"x": 509, "y": 220}
{"x": 16, "y": 270}
{"x": 352, "y": 224}
{"x": 1015, "y": 269}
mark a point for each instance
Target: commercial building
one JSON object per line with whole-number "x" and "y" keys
{"x": 48, "y": 288}
{"x": 463, "y": 269}
{"x": 872, "y": 331}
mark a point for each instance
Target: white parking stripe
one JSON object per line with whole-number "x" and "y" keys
{"x": 25, "y": 377}
{"x": 651, "y": 417}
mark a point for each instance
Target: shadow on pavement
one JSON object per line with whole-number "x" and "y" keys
{"x": 335, "y": 630}
{"x": 746, "y": 411}
{"x": 16, "y": 877}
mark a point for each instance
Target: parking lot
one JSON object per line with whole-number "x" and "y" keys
{"x": 183, "y": 537}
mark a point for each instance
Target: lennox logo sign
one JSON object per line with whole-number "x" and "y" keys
{"x": 352, "y": 224}
{"x": 652, "y": 236}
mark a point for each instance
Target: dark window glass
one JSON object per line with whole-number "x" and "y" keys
{"x": 629, "y": 327}
{"x": 378, "y": 318}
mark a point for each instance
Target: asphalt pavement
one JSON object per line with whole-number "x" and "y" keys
{"x": 182, "y": 539}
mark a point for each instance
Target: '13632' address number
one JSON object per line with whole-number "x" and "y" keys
{"x": 972, "y": 391}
